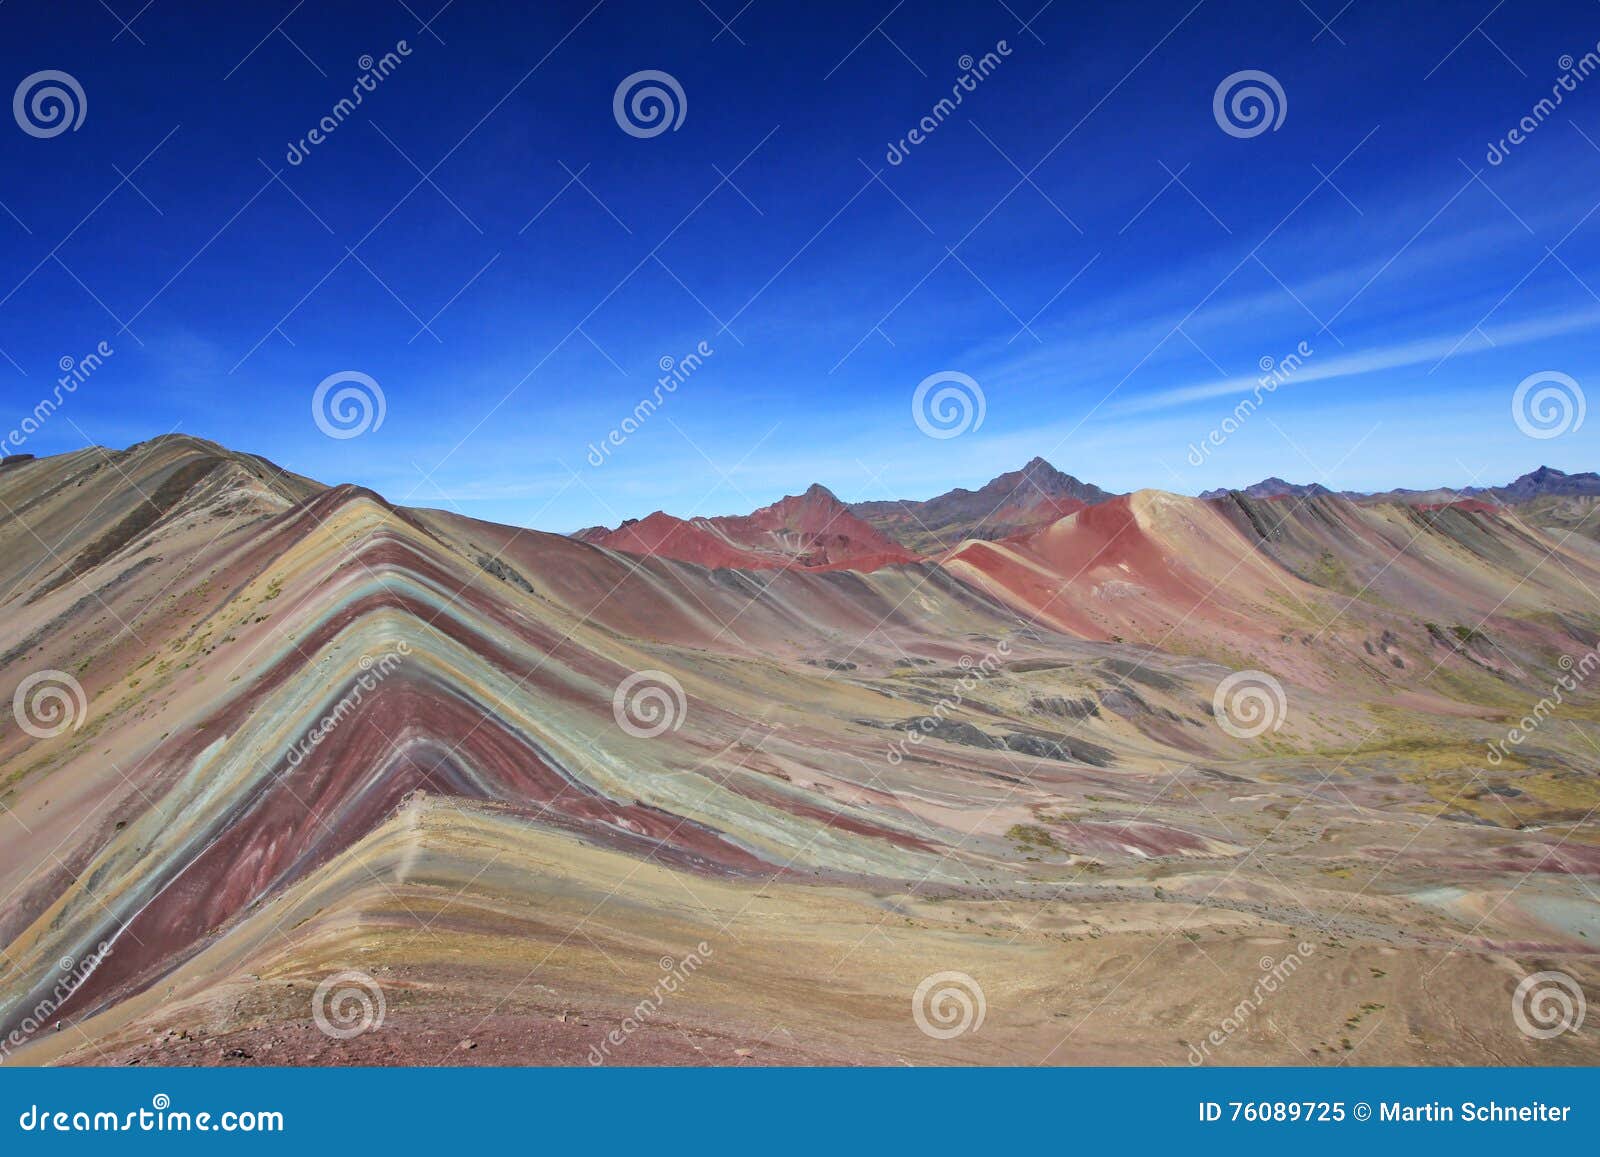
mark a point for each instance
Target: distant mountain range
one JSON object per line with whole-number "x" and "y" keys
{"x": 1545, "y": 482}
{"x": 1272, "y": 488}
{"x": 816, "y": 531}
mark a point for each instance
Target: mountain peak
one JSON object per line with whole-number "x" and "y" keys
{"x": 1043, "y": 479}
{"x": 1018, "y": 500}
{"x": 1546, "y": 481}
{"x": 1273, "y": 487}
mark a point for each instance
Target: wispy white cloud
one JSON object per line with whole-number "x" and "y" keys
{"x": 1425, "y": 351}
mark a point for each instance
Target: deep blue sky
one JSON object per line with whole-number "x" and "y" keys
{"x": 544, "y": 341}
